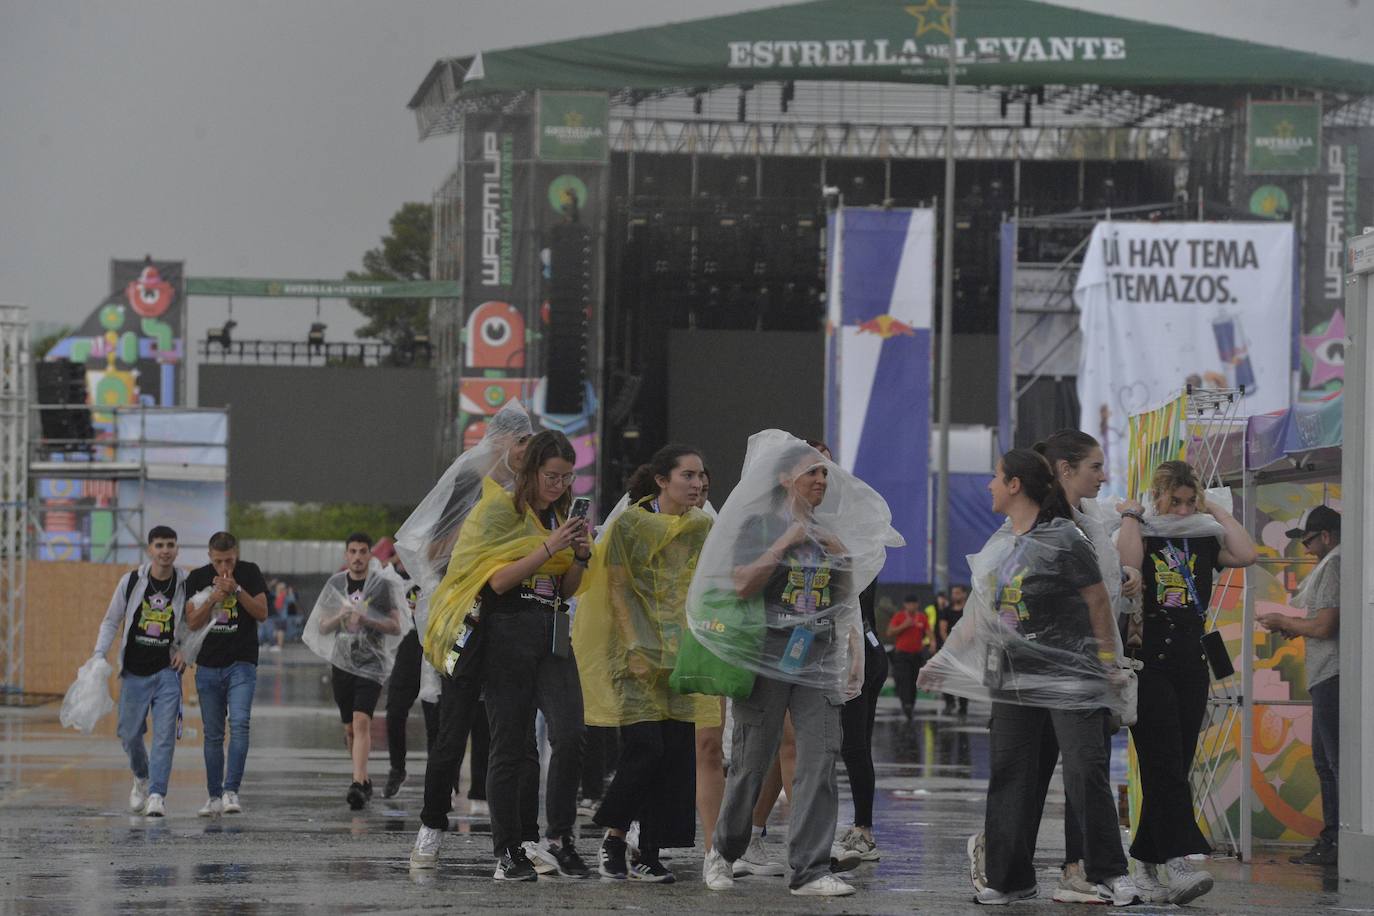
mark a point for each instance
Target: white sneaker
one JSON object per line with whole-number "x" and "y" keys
{"x": 824, "y": 886}
{"x": 213, "y": 807}
{"x": 230, "y": 802}
{"x": 855, "y": 843}
{"x": 1074, "y": 886}
{"x": 540, "y": 857}
{"x": 477, "y": 807}
{"x": 1118, "y": 891}
{"x": 1147, "y": 883}
{"x": 757, "y": 861}
{"x": 977, "y": 862}
{"x": 425, "y": 853}
{"x": 990, "y": 896}
{"x": 138, "y": 796}
{"x": 715, "y": 871}
{"x": 1185, "y": 882}
{"x": 156, "y": 808}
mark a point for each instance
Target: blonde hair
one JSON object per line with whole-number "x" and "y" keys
{"x": 1169, "y": 476}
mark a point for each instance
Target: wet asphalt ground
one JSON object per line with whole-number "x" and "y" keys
{"x": 68, "y": 844}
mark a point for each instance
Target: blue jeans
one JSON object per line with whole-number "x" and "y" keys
{"x": 225, "y": 690}
{"x": 1326, "y": 755}
{"x": 160, "y": 693}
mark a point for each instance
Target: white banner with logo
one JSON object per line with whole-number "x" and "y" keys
{"x": 1165, "y": 305}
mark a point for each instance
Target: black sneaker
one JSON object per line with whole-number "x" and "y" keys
{"x": 357, "y": 796}
{"x": 613, "y": 858}
{"x": 367, "y": 789}
{"x": 394, "y": 780}
{"x": 1322, "y": 853}
{"x": 650, "y": 871}
{"x": 514, "y": 866}
{"x": 570, "y": 864}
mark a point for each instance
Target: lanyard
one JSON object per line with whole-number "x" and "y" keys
{"x": 1181, "y": 558}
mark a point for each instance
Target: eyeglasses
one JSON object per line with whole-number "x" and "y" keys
{"x": 1307, "y": 539}
{"x": 557, "y": 479}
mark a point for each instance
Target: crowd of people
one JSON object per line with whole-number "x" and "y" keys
{"x": 712, "y": 660}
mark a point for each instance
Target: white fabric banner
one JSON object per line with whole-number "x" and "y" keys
{"x": 1163, "y": 305}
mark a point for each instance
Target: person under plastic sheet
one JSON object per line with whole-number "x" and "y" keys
{"x": 357, "y": 625}
{"x": 1178, "y": 544}
{"x": 1039, "y": 637}
{"x": 626, "y": 634}
{"x": 776, "y": 592}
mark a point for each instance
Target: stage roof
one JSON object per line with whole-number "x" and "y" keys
{"x": 1000, "y": 43}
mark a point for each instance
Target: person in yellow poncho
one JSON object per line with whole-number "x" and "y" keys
{"x": 520, "y": 555}
{"x": 626, "y": 635}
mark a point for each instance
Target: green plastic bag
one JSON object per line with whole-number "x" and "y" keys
{"x": 739, "y": 623}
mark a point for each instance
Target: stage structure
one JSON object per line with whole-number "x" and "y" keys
{"x": 725, "y": 133}
{"x": 14, "y": 493}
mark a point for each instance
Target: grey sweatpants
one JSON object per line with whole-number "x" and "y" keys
{"x": 816, "y": 797}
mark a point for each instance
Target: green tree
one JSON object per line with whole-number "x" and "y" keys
{"x": 314, "y": 521}
{"x": 42, "y": 345}
{"x": 403, "y": 255}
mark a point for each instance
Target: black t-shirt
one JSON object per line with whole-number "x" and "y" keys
{"x": 233, "y": 635}
{"x": 807, "y": 582}
{"x": 1177, "y": 575}
{"x": 539, "y": 590}
{"x": 1039, "y": 582}
{"x": 148, "y": 645}
{"x": 362, "y": 646}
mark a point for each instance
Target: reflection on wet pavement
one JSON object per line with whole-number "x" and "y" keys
{"x": 67, "y": 844}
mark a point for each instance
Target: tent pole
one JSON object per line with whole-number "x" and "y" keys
{"x": 946, "y": 319}
{"x": 1249, "y": 492}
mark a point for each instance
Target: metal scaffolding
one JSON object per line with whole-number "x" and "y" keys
{"x": 14, "y": 515}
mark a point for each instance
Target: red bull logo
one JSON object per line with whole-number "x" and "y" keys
{"x": 886, "y": 326}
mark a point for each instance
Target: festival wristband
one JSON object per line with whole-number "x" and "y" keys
{"x": 547, "y": 550}
{"x": 1135, "y": 515}
{"x": 1106, "y": 656}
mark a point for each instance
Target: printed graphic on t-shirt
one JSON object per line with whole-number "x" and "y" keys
{"x": 360, "y": 603}
{"x": 154, "y": 626}
{"x": 1171, "y": 585}
{"x": 1011, "y": 599}
{"x": 226, "y": 616}
{"x": 412, "y": 595}
{"x": 808, "y": 584}
{"x": 542, "y": 588}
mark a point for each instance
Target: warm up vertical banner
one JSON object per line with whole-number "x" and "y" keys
{"x": 881, "y": 291}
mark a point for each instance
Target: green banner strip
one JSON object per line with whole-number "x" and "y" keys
{"x": 322, "y": 289}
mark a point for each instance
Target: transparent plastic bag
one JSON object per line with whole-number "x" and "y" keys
{"x": 88, "y": 698}
{"x": 189, "y": 642}
{"x": 360, "y": 632}
{"x": 430, "y": 686}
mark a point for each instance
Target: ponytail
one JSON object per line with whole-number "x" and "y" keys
{"x": 1038, "y": 482}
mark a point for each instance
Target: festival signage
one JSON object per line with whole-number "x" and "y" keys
{"x": 573, "y": 126}
{"x": 1167, "y": 305}
{"x": 1283, "y": 138}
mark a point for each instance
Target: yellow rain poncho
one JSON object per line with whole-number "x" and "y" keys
{"x": 630, "y": 618}
{"x": 493, "y": 535}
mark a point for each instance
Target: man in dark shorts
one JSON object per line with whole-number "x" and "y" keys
{"x": 227, "y": 664}
{"x": 358, "y": 624}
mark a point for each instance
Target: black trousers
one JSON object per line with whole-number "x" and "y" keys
{"x": 1049, "y": 759}
{"x": 601, "y": 745}
{"x": 905, "y": 667}
{"x": 1173, "y": 701}
{"x": 856, "y": 724}
{"x": 402, "y": 690}
{"x": 522, "y": 676}
{"x": 1012, "y": 818}
{"x": 460, "y": 713}
{"x": 656, "y": 784}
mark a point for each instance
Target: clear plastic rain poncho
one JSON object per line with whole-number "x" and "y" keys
{"x": 1026, "y": 636}
{"x": 493, "y": 535}
{"x": 350, "y": 631}
{"x": 777, "y": 586}
{"x": 1200, "y": 524}
{"x": 88, "y": 699}
{"x": 630, "y": 616}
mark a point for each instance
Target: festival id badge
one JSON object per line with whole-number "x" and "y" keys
{"x": 798, "y": 648}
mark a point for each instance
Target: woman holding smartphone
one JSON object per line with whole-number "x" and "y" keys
{"x": 628, "y": 629}
{"x": 521, "y": 555}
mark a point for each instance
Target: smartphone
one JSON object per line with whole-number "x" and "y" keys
{"x": 581, "y": 505}
{"x": 562, "y": 635}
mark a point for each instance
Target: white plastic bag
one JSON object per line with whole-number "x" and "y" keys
{"x": 88, "y": 699}
{"x": 429, "y": 682}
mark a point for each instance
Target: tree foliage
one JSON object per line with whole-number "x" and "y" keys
{"x": 314, "y": 521}
{"x": 404, "y": 255}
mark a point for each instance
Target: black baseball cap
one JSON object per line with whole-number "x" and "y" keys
{"x": 1318, "y": 518}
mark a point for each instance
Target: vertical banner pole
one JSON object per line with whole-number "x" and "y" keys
{"x": 946, "y": 319}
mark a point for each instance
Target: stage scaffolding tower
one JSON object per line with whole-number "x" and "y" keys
{"x": 14, "y": 514}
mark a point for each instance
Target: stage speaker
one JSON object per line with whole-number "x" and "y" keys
{"x": 62, "y": 384}
{"x": 570, "y": 296}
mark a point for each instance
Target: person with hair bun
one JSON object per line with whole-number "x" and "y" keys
{"x": 1048, "y": 591}
{"x": 1178, "y": 546}
{"x": 626, "y": 635}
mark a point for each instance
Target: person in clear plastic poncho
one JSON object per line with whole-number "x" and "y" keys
{"x": 776, "y": 592}
{"x": 629, "y": 623}
{"x": 357, "y": 625}
{"x": 1038, "y": 638}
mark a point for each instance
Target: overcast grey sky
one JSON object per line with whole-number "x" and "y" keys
{"x": 270, "y": 138}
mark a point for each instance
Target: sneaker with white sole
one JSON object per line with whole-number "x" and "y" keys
{"x": 213, "y": 807}
{"x": 138, "y": 795}
{"x": 990, "y": 896}
{"x": 1074, "y": 886}
{"x": 541, "y": 858}
{"x": 1118, "y": 891}
{"x": 650, "y": 871}
{"x": 515, "y": 866}
{"x": 155, "y": 806}
{"x": 716, "y": 872}
{"x": 824, "y": 886}
{"x": 1147, "y": 883}
{"x": 1185, "y": 882}
{"x": 586, "y": 807}
{"x": 977, "y": 862}
{"x": 425, "y": 853}
{"x": 229, "y": 802}
{"x": 854, "y": 842}
{"x": 564, "y": 852}
{"x": 757, "y": 861}
{"x": 613, "y": 864}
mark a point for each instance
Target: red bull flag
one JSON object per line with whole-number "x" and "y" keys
{"x": 881, "y": 294}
